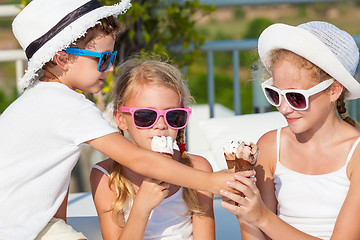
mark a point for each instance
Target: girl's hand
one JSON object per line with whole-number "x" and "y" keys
{"x": 248, "y": 174}
{"x": 150, "y": 194}
{"x": 248, "y": 203}
{"x": 219, "y": 179}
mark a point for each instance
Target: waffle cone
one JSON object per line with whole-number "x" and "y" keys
{"x": 167, "y": 155}
{"x": 239, "y": 164}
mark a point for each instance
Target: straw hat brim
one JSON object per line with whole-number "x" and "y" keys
{"x": 307, "y": 45}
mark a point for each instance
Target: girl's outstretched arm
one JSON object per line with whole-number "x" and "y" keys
{"x": 154, "y": 165}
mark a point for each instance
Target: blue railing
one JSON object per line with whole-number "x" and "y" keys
{"x": 232, "y": 3}
{"x": 226, "y": 46}
{"x": 236, "y": 47}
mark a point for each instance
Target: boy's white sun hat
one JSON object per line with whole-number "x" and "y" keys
{"x": 45, "y": 27}
{"x": 333, "y": 50}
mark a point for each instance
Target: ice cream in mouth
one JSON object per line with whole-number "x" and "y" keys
{"x": 163, "y": 145}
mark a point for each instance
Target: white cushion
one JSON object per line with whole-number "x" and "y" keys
{"x": 247, "y": 127}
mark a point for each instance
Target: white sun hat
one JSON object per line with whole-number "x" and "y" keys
{"x": 333, "y": 50}
{"x": 45, "y": 27}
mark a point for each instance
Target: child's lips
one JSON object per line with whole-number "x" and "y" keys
{"x": 291, "y": 120}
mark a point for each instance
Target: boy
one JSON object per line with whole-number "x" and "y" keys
{"x": 70, "y": 45}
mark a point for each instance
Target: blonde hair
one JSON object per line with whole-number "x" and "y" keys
{"x": 317, "y": 74}
{"x": 135, "y": 72}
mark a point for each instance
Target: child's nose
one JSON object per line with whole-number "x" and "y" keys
{"x": 110, "y": 68}
{"x": 284, "y": 107}
{"x": 160, "y": 124}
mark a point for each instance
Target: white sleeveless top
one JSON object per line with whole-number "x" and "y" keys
{"x": 168, "y": 221}
{"x": 311, "y": 203}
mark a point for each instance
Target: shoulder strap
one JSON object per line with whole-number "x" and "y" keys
{"x": 101, "y": 169}
{"x": 278, "y": 144}
{"x": 352, "y": 150}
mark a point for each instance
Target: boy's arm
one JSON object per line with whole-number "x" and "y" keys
{"x": 61, "y": 213}
{"x": 154, "y": 165}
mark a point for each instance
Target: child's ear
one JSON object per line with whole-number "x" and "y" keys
{"x": 336, "y": 90}
{"x": 120, "y": 121}
{"x": 62, "y": 59}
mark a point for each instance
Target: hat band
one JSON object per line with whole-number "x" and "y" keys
{"x": 67, "y": 20}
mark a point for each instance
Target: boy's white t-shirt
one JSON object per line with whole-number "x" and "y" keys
{"x": 41, "y": 137}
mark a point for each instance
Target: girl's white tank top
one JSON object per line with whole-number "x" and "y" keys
{"x": 168, "y": 221}
{"x": 311, "y": 203}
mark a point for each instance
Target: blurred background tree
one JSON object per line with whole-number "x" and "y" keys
{"x": 154, "y": 27}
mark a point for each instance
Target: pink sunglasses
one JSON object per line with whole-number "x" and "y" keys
{"x": 175, "y": 118}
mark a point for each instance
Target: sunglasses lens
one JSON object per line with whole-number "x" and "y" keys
{"x": 297, "y": 100}
{"x": 177, "y": 118}
{"x": 144, "y": 117}
{"x": 273, "y": 96}
{"x": 105, "y": 61}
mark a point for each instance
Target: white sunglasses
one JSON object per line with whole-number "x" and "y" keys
{"x": 298, "y": 99}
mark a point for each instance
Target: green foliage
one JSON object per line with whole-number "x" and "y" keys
{"x": 321, "y": 9}
{"x": 156, "y": 27}
{"x": 222, "y": 59}
{"x": 239, "y": 12}
{"x": 7, "y": 99}
{"x": 302, "y": 10}
{"x": 5, "y": 23}
{"x": 254, "y": 29}
{"x": 223, "y": 91}
{"x": 8, "y": 92}
{"x": 223, "y": 70}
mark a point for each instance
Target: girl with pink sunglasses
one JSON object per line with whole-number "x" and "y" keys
{"x": 308, "y": 173}
{"x": 149, "y": 102}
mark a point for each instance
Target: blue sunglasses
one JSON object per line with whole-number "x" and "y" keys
{"x": 105, "y": 58}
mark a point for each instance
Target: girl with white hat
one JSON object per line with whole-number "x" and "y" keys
{"x": 308, "y": 173}
{"x": 70, "y": 46}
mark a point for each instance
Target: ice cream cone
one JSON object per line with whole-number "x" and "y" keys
{"x": 241, "y": 156}
{"x": 167, "y": 155}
